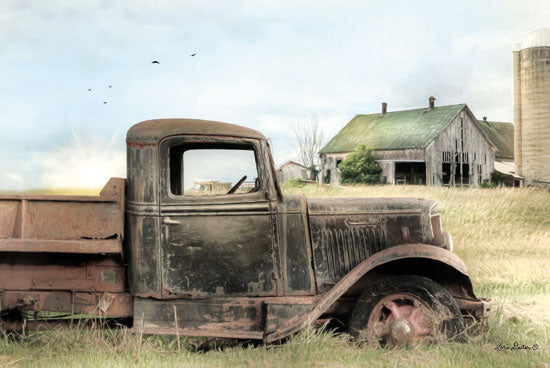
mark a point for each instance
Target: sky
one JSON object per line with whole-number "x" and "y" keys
{"x": 222, "y": 165}
{"x": 263, "y": 64}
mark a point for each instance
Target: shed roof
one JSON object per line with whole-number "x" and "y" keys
{"x": 507, "y": 168}
{"x": 415, "y": 128}
{"x": 502, "y": 136}
{"x": 152, "y": 131}
{"x": 292, "y": 163}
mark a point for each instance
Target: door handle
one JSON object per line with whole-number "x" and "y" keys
{"x": 169, "y": 221}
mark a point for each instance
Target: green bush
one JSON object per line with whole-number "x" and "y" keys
{"x": 360, "y": 167}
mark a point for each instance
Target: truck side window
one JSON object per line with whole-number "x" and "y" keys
{"x": 210, "y": 169}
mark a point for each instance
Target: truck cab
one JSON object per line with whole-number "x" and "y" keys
{"x": 211, "y": 247}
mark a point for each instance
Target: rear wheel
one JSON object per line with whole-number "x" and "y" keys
{"x": 406, "y": 310}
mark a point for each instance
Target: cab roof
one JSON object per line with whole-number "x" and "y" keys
{"x": 152, "y": 131}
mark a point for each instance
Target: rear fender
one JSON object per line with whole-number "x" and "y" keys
{"x": 385, "y": 257}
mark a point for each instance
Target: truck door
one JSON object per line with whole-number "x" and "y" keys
{"x": 218, "y": 226}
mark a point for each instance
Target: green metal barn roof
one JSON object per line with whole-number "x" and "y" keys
{"x": 502, "y": 136}
{"x": 394, "y": 130}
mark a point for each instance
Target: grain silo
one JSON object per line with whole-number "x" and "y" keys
{"x": 532, "y": 107}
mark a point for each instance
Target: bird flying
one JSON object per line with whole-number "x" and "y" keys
{"x": 105, "y": 102}
{"x": 110, "y": 85}
{"x": 89, "y": 89}
{"x": 154, "y": 62}
{"x": 192, "y": 55}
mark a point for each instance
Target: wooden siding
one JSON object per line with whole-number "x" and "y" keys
{"x": 478, "y": 153}
{"x": 410, "y": 154}
{"x": 387, "y": 159}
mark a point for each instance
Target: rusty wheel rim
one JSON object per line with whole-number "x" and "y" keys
{"x": 401, "y": 319}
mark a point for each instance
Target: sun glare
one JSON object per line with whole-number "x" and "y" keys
{"x": 83, "y": 165}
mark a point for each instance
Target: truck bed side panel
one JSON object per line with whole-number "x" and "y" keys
{"x": 65, "y": 224}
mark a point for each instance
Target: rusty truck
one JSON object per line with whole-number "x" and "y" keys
{"x": 245, "y": 262}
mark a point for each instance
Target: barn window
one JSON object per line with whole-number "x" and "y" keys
{"x": 479, "y": 174}
{"x": 461, "y": 173}
{"x": 458, "y": 174}
{"x": 446, "y": 173}
{"x": 462, "y": 134}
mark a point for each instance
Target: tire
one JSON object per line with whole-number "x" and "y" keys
{"x": 406, "y": 310}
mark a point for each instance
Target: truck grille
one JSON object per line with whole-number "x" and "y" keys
{"x": 343, "y": 249}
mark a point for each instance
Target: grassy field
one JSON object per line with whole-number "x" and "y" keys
{"x": 503, "y": 235}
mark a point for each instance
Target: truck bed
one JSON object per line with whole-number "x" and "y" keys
{"x": 63, "y": 223}
{"x": 63, "y": 254}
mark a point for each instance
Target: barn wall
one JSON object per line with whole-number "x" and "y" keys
{"x": 478, "y": 150}
{"x": 328, "y": 162}
{"x": 385, "y": 158}
{"x": 408, "y": 154}
{"x": 387, "y": 176}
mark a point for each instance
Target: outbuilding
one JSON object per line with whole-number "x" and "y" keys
{"x": 293, "y": 170}
{"x": 502, "y": 136}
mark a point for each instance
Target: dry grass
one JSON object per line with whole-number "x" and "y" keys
{"x": 311, "y": 348}
{"x": 503, "y": 235}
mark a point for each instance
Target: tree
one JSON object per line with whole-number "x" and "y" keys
{"x": 309, "y": 139}
{"x": 360, "y": 167}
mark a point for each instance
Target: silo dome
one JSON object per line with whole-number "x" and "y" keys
{"x": 537, "y": 38}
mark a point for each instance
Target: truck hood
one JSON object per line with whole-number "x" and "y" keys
{"x": 346, "y": 231}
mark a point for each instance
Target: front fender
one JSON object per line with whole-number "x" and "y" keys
{"x": 388, "y": 255}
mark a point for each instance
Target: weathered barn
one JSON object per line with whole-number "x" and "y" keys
{"x": 502, "y": 136}
{"x": 293, "y": 170}
{"x": 441, "y": 145}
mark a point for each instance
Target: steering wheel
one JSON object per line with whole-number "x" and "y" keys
{"x": 237, "y": 185}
